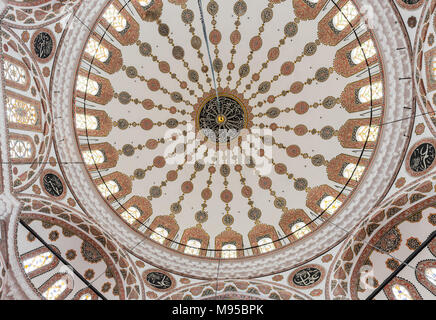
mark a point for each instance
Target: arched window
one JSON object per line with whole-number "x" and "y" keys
{"x": 85, "y": 296}
{"x": 20, "y": 149}
{"x": 430, "y": 274}
{"x": 365, "y": 132}
{"x": 229, "y": 251}
{"x": 57, "y": 287}
{"x": 20, "y": 112}
{"x": 14, "y": 72}
{"x": 96, "y": 50}
{"x": 367, "y": 50}
{"x": 38, "y": 261}
{"x": 343, "y": 18}
{"x": 115, "y": 18}
{"x": 88, "y": 122}
{"x": 329, "y": 204}
{"x": 193, "y": 247}
{"x": 354, "y": 172}
{"x": 93, "y": 157}
{"x": 300, "y": 229}
{"x": 159, "y": 235}
{"x": 365, "y": 92}
{"x": 131, "y": 215}
{"x": 87, "y": 85}
{"x": 265, "y": 245}
{"x": 109, "y": 188}
{"x": 401, "y": 293}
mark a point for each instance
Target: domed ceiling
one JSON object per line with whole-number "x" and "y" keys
{"x": 235, "y": 137}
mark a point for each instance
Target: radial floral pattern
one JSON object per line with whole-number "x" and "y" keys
{"x": 300, "y": 101}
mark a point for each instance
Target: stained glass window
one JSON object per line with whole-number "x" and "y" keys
{"x": 54, "y": 291}
{"x": 265, "y": 245}
{"x": 37, "y": 262}
{"x": 330, "y": 204}
{"x": 131, "y": 215}
{"x": 343, "y": 18}
{"x": 300, "y": 229}
{"x": 20, "y": 149}
{"x": 367, "y": 50}
{"x": 14, "y": 72}
{"x": 193, "y": 247}
{"x": 365, "y": 132}
{"x": 87, "y": 85}
{"x": 93, "y": 157}
{"x": 430, "y": 274}
{"x": 159, "y": 235}
{"x": 354, "y": 172}
{"x": 88, "y": 122}
{"x": 401, "y": 293}
{"x": 97, "y": 50}
{"x": 108, "y": 188}
{"x": 21, "y": 112}
{"x": 365, "y": 92}
{"x": 229, "y": 251}
{"x": 115, "y": 18}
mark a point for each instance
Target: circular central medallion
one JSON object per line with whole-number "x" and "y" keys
{"x": 221, "y": 119}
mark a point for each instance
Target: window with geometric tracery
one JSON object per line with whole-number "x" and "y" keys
{"x": 88, "y": 122}
{"x": 344, "y": 17}
{"x": 159, "y": 235}
{"x": 131, "y": 215}
{"x": 14, "y": 72}
{"x": 20, "y": 112}
{"x": 20, "y": 149}
{"x": 93, "y": 157}
{"x": 365, "y": 92}
{"x": 193, "y": 247}
{"x": 96, "y": 50}
{"x": 265, "y": 245}
{"x": 300, "y": 229}
{"x": 229, "y": 251}
{"x": 115, "y": 18}
{"x": 364, "y": 133}
{"x": 367, "y": 50}
{"x": 109, "y": 188}
{"x": 353, "y": 172}
{"x": 330, "y": 205}
{"x": 87, "y": 85}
